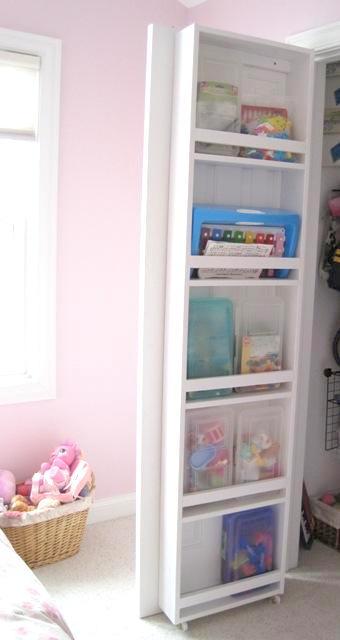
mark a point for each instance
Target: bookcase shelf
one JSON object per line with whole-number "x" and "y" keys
{"x": 213, "y": 593}
{"x": 240, "y": 398}
{"x": 198, "y": 55}
{"x": 212, "y": 262}
{"x": 228, "y": 602}
{"x": 239, "y": 380}
{"x": 248, "y": 163}
{"x": 246, "y": 140}
{"x": 233, "y": 505}
{"x": 251, "y": 282}
{"x": 233, "y": 491}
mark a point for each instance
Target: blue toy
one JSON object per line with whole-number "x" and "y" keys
{"x": 215, "y": 215}
{"x": 247, "y": 543}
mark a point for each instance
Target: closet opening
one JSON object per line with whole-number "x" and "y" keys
{"x": 322, "y": 446}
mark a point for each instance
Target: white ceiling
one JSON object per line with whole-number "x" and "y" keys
{"x": 192, "y": 3}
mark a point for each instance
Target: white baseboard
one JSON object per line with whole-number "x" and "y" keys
{"x": 112, "y": 508}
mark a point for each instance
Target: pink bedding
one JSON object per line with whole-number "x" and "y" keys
{"x": 26, "y": 609}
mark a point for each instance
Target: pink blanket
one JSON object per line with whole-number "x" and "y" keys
{"x": 26, "y": 609}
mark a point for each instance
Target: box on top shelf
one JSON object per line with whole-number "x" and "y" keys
{"x": 258, "y": 450}
{"x": 208, "y": 449}
{"x": 231, "y": 231}
{"x": 217, "y": 109}
{"x": 210, "y": 342}
{"x": 248, "y": 543}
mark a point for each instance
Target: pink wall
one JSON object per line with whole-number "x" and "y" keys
{"x": 274, "y": 19}
{"x": 100, "y": 175}
{"x": 101, "y": 135}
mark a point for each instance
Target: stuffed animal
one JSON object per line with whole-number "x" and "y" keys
{"x": 48, "y": 503}
{"x": 7, "y": 485}
{"x": 20, "y": 503}
{"x": 55, "y": 474}
{"x": 328, "y": 498}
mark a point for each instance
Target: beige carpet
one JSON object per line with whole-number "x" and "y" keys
{"x": 95, "y": 592}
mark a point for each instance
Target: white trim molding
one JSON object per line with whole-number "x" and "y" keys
{"x": 112, "y": 508}
{"x": 325, "y": 40}
{"x": 190, "y": 4}
{"x": 38, "y": 380}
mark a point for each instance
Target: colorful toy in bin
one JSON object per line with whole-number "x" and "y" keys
{"x": 258, "y": 446}
{"x": 288, "y": 221}
{"x": 209, "y": 449}
{"x": 211, "y": 456}
{"x": 271, "y": 122}
{"x": 247, "y": 543}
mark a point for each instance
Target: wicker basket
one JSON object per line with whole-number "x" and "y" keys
{"x": 327, "y": 534}
{"x": 53, "y": 537}
{"x": 327, "y": 523}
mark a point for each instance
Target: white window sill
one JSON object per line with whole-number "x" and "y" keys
{"x": 19, "y": 389}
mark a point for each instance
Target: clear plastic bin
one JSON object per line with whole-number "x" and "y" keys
{"x": 210, "y": 342}
{"x": 259, "y": 331}
{"x": 258, "y": 451}
{"x": 248, "y": 540}
{"x": 208, "y": 449}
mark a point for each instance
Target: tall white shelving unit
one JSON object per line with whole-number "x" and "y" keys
{"x": 191, "y": 523}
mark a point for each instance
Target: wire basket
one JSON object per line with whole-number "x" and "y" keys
{"x": 327, "y": 523}
{"x": 332, "y": 429}
{"x": 45, "y": 537}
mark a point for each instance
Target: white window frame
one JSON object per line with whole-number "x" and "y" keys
{"x": 39, "y": 380}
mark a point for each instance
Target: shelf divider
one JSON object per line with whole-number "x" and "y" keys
{"x": 249, "y": 163}
{"x": 250, "y": 282}
{"x": 239, "y": 380}
{"x": 242, "y": 262}
{"x": 216, "y": 606}
{"x": 213, "y": 593}
{"x": 234, "y": 505}
{"x": 248, "y": 140}
{"x": 233, "y": 491}
{"x": 239, "y": 398}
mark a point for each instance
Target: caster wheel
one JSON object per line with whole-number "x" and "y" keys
{"x": 184, "y": 626}
{"x": 276, "y": 599}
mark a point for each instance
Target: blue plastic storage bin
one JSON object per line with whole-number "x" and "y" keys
{"x": 290, "y": 220}
{"x": 248, "y": 540}
{"x": 210, "y": 342}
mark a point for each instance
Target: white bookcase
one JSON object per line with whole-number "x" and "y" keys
{"x": 190, "y": 523}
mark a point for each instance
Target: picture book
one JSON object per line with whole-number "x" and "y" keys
{"x": 234, "y": 249}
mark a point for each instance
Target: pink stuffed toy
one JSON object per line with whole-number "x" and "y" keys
{"x": 7, "y": 485}
{"x": 55, "y": 474}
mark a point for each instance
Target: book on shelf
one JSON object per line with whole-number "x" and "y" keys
{"x": 234, "y": 249}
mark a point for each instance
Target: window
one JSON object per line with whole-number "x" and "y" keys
{"x": 29, "y": 89}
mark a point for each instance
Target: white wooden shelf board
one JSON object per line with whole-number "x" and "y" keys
{"x": 243, "y": 262}
{"x": 229, "y": 602}
{"x": 235, "y": 505}
{"x": 237, "y": 491}
{"x": 239, "y": 380}
{"x": 247, "y": 140}
{"x": 249, "y": 163}
{"x": 212, "y": 593}
{"x": 239, "y": 398}
{"x": 250, "y": 282}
